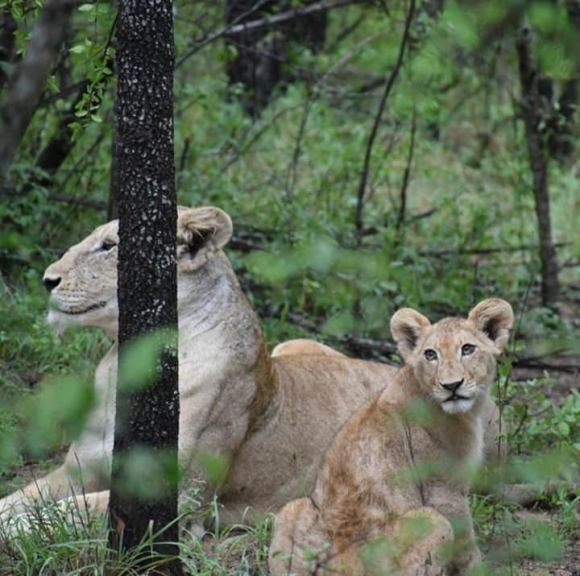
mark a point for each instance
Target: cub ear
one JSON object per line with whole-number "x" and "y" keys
{"x": 406, "y": 327}
{"x": 495, "y": 318}
{"x": 201, "y": 232}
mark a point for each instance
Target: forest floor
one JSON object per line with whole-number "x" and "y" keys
{"x": 539, "y": 538}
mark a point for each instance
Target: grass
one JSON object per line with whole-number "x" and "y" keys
{"x": 475, "y": 199}
{"x": 514, "y": 539}
{"x": 52, "y": 544}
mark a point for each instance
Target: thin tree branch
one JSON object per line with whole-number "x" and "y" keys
{"x": 266, "y": 22}
{"x": 389, "y": 83}
{"x": 407, "y": 173}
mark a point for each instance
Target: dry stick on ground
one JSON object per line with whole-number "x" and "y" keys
{"x": 532, "y": 114}
{"x": 22, "y": 99}
{"x": 389, "y": 83}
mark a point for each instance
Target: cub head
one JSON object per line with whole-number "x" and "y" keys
{"x": 454, "y": 360}
{"x": 83, "y": 283}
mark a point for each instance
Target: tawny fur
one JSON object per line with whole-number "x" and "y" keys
{"x": 271, "y": 419}
{"x": 408, "y": 452}
{"x": 304, "y": 347}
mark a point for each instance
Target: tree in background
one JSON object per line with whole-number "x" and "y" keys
{"x": 262, "y": 53}
{"x": 147, "y": 417}
{"x": 538, "y": 156}
{"x": 28, "y": 81}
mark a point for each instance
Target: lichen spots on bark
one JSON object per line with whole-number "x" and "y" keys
{"x": 147, "y": 270}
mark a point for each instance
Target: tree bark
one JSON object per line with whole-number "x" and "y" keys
{"x": 147, "y": 284}
{"x": 27, "y": 83}
{"x": 532, "y": 116}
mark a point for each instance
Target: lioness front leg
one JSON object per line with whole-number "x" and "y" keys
{"x": 55, "y": 485}
{"x": 60, "y": 484}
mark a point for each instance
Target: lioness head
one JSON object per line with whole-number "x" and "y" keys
{"x": 454, "y": 360}
{"x": 83, "y": 283}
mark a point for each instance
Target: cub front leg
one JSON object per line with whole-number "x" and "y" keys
{"x": 299, "y": 543}
{"x": 454, "y": 505}
{"x": 421, "y": 536}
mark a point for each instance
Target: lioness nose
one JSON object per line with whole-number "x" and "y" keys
{"x": 452, "y": 386}
{"x": 50, "y": 283}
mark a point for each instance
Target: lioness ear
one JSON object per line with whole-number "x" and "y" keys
{"x": 201, "y": 232}
{"x": 406, "y": 327}
{"x": 495, "y": 318}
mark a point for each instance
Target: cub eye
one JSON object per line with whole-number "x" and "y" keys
{"x": 430, "y": 354}
{"x": 467, "y": 349}
{"x": 107, "y": 245}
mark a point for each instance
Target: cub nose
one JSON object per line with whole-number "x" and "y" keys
{"x": 50, "y": 283}
{"x": 452, "y": 386}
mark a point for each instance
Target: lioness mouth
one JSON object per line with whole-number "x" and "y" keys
{"x": 84, "y": 311}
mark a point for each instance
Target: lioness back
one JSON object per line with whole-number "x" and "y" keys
{"x": 315, "y": 396}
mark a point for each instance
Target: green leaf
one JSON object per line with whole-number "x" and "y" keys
{"x": 564, "y": 429}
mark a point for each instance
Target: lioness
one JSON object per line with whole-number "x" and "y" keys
{"x": 270, "y": 418}
{"x": 403, "y": 456}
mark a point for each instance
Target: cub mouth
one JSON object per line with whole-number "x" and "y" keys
{"x": 455, "y": 397}
{"x": 83, "y": 311}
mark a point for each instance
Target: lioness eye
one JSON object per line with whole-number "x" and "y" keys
{"x": 430, "y": 354}
{"x": 107, "y": 245}
{"x": 467, "y": 349}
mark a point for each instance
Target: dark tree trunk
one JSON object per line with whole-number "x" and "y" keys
{"x": 532, "y": 116}
{"x": 28, "y": 80}
{"x": 560, "y": 111}
{"x": 147, "y": 285}
{"x": 56, "y": 151}
{"x": 8, "y": 29}
{"x": 562, "y": 126}
{"x": 261, "y": 54}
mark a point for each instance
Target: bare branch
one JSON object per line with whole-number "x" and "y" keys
{"x": 266, "y": 22}
{"x": 389, "y": 83}
{"x": 407, "y": 173}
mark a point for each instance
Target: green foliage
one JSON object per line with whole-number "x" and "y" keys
{"x": 52, "y": 544}
{"x": 139, "y": 361}
{"x": 289, "y": 179}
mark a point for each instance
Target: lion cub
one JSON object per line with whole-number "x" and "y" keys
{"x": 392, "y": 489}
